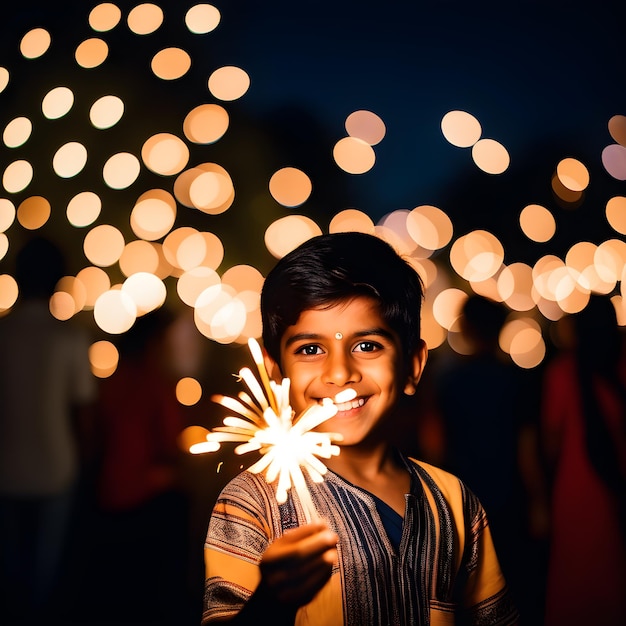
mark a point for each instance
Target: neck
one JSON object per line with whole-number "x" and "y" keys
{"x": 360, "y": 466}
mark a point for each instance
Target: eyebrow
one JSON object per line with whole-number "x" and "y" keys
{"x": 377, "y": 331}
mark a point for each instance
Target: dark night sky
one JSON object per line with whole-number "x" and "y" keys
{"x": 543, "y": 78}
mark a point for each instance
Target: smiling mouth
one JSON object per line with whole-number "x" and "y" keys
{"x": 352, "y": 404}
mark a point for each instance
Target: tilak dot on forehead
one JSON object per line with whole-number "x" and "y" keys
{"x": 338, "y": 336}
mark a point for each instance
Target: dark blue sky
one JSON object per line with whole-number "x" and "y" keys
{"x": 533, "y": 73}
{"x": 543, "y": 78}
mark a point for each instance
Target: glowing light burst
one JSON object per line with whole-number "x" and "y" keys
{"x": 288, "y": 444}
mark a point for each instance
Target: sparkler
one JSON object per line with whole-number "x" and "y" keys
{"x": 267, "y": 424}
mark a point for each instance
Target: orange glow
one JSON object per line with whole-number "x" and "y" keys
{"x": 139, "y": 256}
{"x": 206, "y": 123}
{"x": 191, "y": 435}
{"x": 290, "y": 186}
{"x": 570, "y": 198}
{"x": 115, "y": 312}
{"x": 219, "y": 314}
{"x": 616, "y": 214}
{"x": 95, "y": 281}
{"x": 83, "y": 209}
{"x": 542, "y": 273}
{"x": 537, "y": 223}
{"x": 194, "y": 281}
{"x": 103, "y": 245}
{"x": 33, "y": 212}
{"x": 77, "y": 292}
{"x": 576, "y": 300}
{"x": 287, "y": 233}
{"x": 146, "y": 290}
{"x": 17, "y": 132}
{"x": 432, "y": 332}
{"x": 189, "y": 392}
{"x": 353, "y": 155}
{"x": 103, "y": 358}
{"x": 35, "y": 43}
{"x": 367, "y": 126}
{"x": 527, "y": 348}
{"x": 200, "y": 248}
{"x": 7, "y": 214}
{"x": 62, "y": 305}
{"x": 429, "y": 227}
{"x": 107, "y": 111}
{"x": 617, "y": 129}
{"x": 490, "y": 156}
{"x": 515, "y": 286}
{"x": 57, "y": 103}
{"x": 488, "y": 287}
{"x": 609, "y": 261}
{"x": 447, "y": 306}
{"x": 121, "y": 170}
{"x": 69, "y": 160}
{"x": 8, "y": 292}
{"x": 4, "y": 78}
{"x": 202, "y": 18}
{"x": 207, "y": 187}
{"x": 572, "y": 174}
{"x": 229, "y": 83}
{"x": 477, "y": 255}
{"x": 461, "y": 129}
{"x": 393, "y": 229}
{"x": 172, "y": 242}
{"x": 171, "y": 63}
{"x": 91, "y": 53}
{"x": 243, "y": 278}
{"x": 145, "y": 18}
{"x": 351, "y": 220}
{"x": 165, "y": 154}
{"x": 153, "y": 215}
{"x": 104, "y": 17}
{"x": 17, "y": 176}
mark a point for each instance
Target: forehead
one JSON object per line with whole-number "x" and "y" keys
{"x": 354, "y": 315}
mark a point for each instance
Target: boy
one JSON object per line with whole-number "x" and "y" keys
{"x": 402, "y": 542}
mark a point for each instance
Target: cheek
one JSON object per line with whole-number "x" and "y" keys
{"x": 298, "y": 394}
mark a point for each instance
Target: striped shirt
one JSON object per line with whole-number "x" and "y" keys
{"x": 445, "y": 570}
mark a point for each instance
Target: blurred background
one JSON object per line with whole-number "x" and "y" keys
{"x": 174, "y": 150}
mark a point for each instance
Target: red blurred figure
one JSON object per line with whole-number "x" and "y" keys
{"x": 584, "y": 434}
{"x": 141, "y": 502}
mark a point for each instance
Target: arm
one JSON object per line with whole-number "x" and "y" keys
{"x": 293, "y": 569}
{"x": 253, "y": 564}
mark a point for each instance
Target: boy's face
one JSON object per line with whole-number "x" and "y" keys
{"x": 348, "y": 346}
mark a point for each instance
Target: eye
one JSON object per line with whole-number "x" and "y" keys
{"x": 309, "y": 349}
{"x": 367, "y": 346}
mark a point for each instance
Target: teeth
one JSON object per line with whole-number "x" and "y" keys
{"x": 346, "y": 406}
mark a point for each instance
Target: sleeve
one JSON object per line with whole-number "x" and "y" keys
{"x": 239, "y": 531}
{"x": 487, "y": 598}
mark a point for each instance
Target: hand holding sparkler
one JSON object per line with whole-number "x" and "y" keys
{"x": 287, "y": 443}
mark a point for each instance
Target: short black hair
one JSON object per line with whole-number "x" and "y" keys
{"x": 332, "y": 268}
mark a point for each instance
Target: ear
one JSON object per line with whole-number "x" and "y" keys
{"x": 273, "y": 369}
{"x": 417, "y": 363}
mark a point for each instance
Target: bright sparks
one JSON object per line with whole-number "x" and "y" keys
{"x": 267, "y": 424}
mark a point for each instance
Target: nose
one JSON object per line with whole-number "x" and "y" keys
{"x": 340, "y": 369}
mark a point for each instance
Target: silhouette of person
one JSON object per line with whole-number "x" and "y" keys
{"x": 584, "y": 436}
{"x": 46, "y": 387}
{"x": 485, "y": 404}
{"x": 142, "y": 507}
